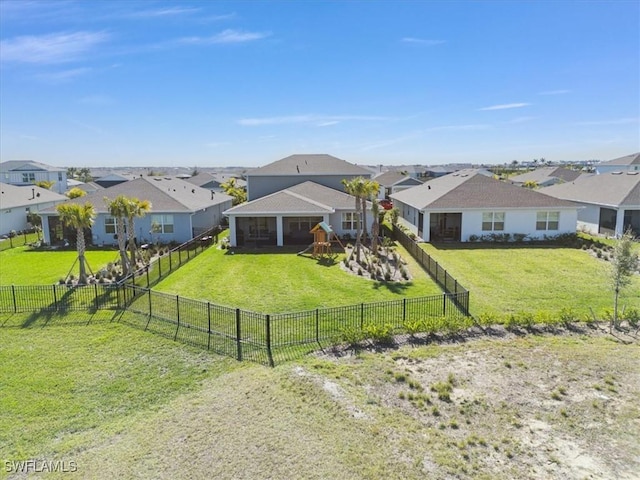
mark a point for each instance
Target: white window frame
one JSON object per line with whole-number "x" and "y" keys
{"x": 493, "y": 221}
{"x": 164, "y": 222}
{"x": 548, "y": 220}
{"x": 109, "y": 225}
{"x": 349, "y": 221}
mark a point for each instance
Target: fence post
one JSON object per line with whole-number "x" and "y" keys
{"x": 318, "y": 326}
{"x": 361, "y": 316}
{"x": 55, "y": 298}
{"x": 178, "y": 315}
{"x": 269, "y": 353}
{"x": 95, "y": 290}
{"x": 404, "y": 310}
{"x": 179, "y": 256}
{"x": 209, "y": 322}
{"x": 149, "y": 303}
{"x": 444, "y": 304}
{"x": 159, "y": 262}
{"x": 238, "y": 335}
{"x": 170, "y": 265}
{"x": 148, "y": 283}
{"x": 13, "y": 293}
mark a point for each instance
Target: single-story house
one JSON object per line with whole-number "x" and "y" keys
{"x": 628, "y": 163}
{"x": 214, "y": 181}
{"x": 467, "y": 203}
{"x": 318, "y": 168}
{"x": 113, "y": 179}
{"x": 27, "y": 172}
{"x": 287, "y": 216}
{"x": 16, "y": 203}
{"x": 546, "y": 176}
{"x": 610, "y": 201}
{"x": 393, "y": 182}
{"x": 179, "y": 212}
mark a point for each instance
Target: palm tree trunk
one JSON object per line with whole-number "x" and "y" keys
{"x": 358, "y": 229}
{"x": 82, "y": 278}
{"x": 132, "y": 244}
{"x": 122, "y": 245}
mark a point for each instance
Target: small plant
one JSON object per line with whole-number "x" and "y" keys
{"x": 379, "y": 333}
{"x": 413, "y": 326}
{"x": 443, "y": 389}
{"x": 351, "y": 335}
{"x": 400, "y": 377}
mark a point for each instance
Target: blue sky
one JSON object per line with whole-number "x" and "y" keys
{"x": 128, "y": 83}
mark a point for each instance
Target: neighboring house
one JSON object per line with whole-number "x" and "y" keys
{"x": 16, "y": 203}
{"x": 287, "y": 216}
{"x": 88, "y": 187}
{"x": 439, "y": 171}
{"x": 26, "y": 172}
{"x": 611, "y": 201}
{"x": 319, "y": 168}
{"x": 214, "y": 181}
{"x": 393, "y": 182}
{"x": 113, "y": 179}
{"x": 179, "y": 212}
{"x": 630, "y": 163}
{"x": 546, "y": 176}
{"x": 466, "y": 203}
{"x": 413, "y": 171}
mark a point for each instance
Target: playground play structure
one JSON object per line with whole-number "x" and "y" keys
{"x": 323, "y": 237}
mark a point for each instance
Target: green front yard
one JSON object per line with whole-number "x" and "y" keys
{"x": 505, "y": 280}
{"x": 23, "y": 266}
{"x": 285, "y": 282}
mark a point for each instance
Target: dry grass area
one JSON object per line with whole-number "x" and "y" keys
{"x": 561, "y": 406}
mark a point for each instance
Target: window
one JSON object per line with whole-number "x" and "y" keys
{"x": 547, "y": 220}
{"x": 162, "y": 223}
{"x": 492, "y": 221}
{"x": 28, "y": 177}
{"x": 59, "y": 176}
{"x": 110, "y": 225}
{"x": 349, "y": 221}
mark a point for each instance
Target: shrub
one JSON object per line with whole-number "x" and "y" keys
{"x": 379, "y": 333}
{"x": 352, "y": 336}
{"x": 413, "y": 326}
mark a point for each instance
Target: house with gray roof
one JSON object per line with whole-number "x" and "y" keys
{"x": 393, "y": 182}
{"x": 179, "y": 212}
{"x": 628, "y": 163}
{"x": 467, "y": 203}
{"x": 27, "y": 172}
{"x": 16, "y": 203}
{"x": 323, "y": 169}
{"x": 286, "y": 217}
{"x": 546, "y": 176}
{"x": 610, "y": 201}
{"x": 214, "y": 181}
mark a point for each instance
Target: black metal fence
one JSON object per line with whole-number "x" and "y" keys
{"x": 241, "y": 334}
{"x": 435, "y": 270}
{"x": 169, "y": 260}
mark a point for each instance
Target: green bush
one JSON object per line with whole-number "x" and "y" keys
{"x": 378, "y": 333}
{"x": 351, "y": 336}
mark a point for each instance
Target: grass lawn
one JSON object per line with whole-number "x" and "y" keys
{"x": 123, "y": 403}
{"x": 284, "y": 282}
{"x": 506, "y": 280}
{"x": 23, "y": 266}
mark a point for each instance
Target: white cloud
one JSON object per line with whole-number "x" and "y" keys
{"x": 166, "y": 12}
{"x": 423, "y": 41}
{"x": 227, "y": 36}
{"x": 318, "y": 120}
{"x": 506, "y": 106}
{"x": 63, "y": 76}
{"x": 50, "y": 48}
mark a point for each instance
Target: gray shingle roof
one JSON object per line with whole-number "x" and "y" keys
{"x": 470, "y": 189}
{"x": 541, "y": 175}
{"x": 310, "y": 164}
{"x": 304, "y": 198}
{"x": 393, "y": 178}
{"x": 12, "y": 196}
{"x": 633, "y": 159}
{"x": 166, "y": 194}
{"x": 611, "y": 189}
{"x": 27, "y": 166}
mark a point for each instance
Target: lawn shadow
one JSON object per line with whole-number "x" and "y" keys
{"x": 44, "y": 318}
{"x": 497, "y": 245}
{"x": 394, "y": 287}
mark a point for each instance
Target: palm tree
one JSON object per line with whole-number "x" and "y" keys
{"x": 370, "y": 189}
{"x": 78, "y": 216}
{"x": 136, "y": 208}
{"x": 119, "y": 209}
{"x": 355, "y": 187}
{"x": 231, "y": 188}
{"x": 76, "y": 192}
